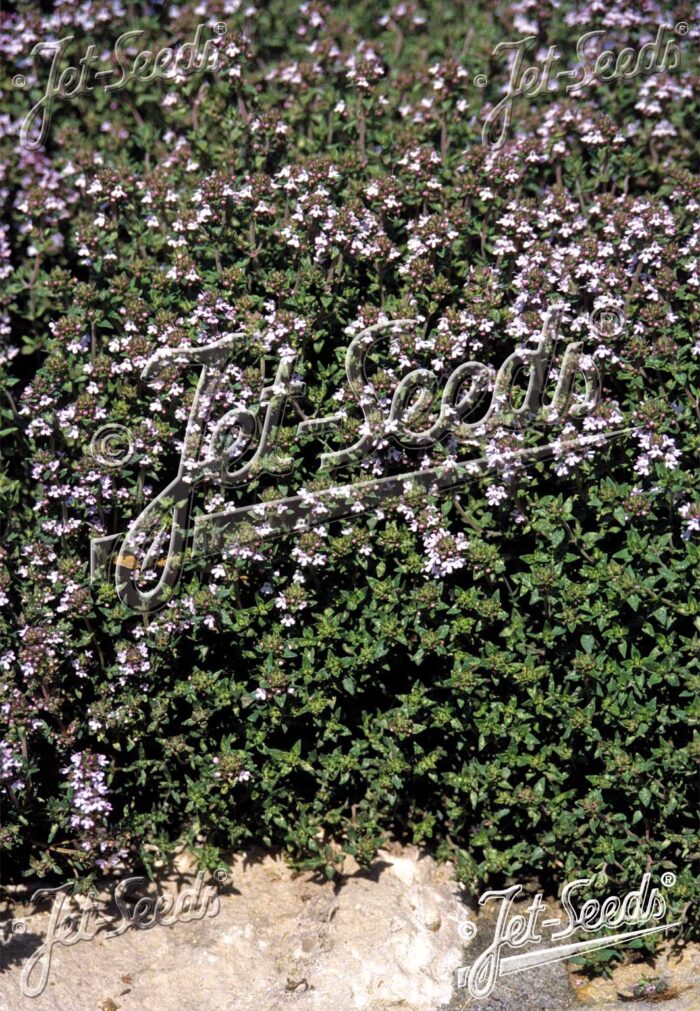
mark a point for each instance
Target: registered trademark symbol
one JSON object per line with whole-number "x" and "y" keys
{"x": 220, "y": 28}
{"x": 668, "y": 879}
{"x": 608, "y": 321}
{"x": 19, "y": 81}
{"x": 481, "y": 80}
{"x": 221, "y": 875}
{"x": 682, "y": 28}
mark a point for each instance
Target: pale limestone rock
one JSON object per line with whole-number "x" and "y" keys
{"x": 386, "y": 938}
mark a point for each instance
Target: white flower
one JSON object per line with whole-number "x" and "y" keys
{"x": 495, "y": 493}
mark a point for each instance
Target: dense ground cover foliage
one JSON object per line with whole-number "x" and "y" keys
{"x": 509, "y": 673}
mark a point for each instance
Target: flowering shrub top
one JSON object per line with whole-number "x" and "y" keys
{"x": 510, "y": 670}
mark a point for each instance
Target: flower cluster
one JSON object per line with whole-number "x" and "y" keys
{"x": 89, "y": 792}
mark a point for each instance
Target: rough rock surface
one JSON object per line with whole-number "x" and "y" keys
{"x": 385, "y": 937}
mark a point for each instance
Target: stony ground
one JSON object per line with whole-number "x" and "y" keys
{"x": 386, "y": 937}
